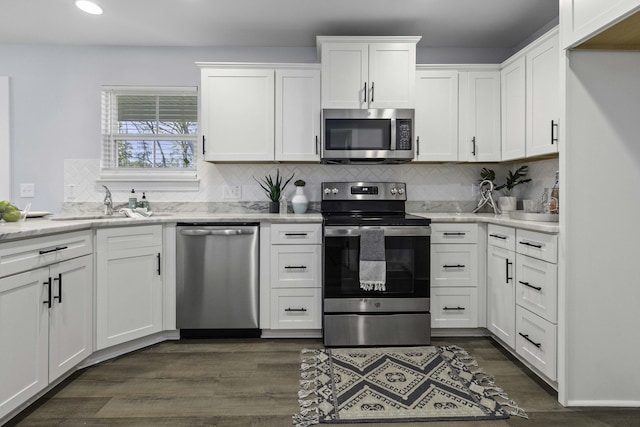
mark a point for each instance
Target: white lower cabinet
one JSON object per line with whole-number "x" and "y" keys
{"x": 501, "y": 320}
{"x": 454, "y": 275}
{"x": 295, "y": 308}
{"x": 295, "y": 276}
{"x": 45, "y": 315}
{"x": 536, "y": 341}
{"x": 454, "y": 307}
{"x": 129, "y": 285}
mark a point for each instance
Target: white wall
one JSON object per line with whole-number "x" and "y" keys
{"x": 5, "y": 153}
{"x": 602, "y": 183}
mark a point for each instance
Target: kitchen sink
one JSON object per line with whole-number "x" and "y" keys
{"x": 99, "y": 216}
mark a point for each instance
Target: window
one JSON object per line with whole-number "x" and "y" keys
{"x": 149, "y": 131}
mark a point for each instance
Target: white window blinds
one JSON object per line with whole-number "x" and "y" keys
{"x": 149, "y": 129}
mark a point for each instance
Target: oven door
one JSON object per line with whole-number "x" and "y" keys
{"x": 407, "y": 252}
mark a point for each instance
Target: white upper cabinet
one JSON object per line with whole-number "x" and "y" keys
{"x": 531, "y": 99}
{"x": 513, "y": 88}
{"x": 237, "y": 114}
{"x": 543, "y": 97}
{"x": 436, "y": 115}
{"x": 368, "y": 72}
{"x": 582, "y": 19}
{"x": 297, "y": 115}
{"x": 256, "y": 112}
{"x": 479, "y": 116}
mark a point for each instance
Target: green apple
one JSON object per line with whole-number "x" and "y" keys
{"x": 11, "y": 214}
{"x": 3, "y": 205}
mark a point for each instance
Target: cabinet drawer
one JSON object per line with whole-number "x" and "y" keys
{"x": 537, "y": 286}
{"x": 538, "y": 245}
{"x": 454, "y": 265}
{"x": 295, "y": 266}
{"x": 118, "y": 239}
{"x": 28, "y": 254}
{"x": 296, "y": 234}
{"x": 536, "y": 341}
{"x": 295, "y": 308}
{"x": 454, "y": 308}
{"x": 454, "y": 233}
{"x": 502, "y": 237}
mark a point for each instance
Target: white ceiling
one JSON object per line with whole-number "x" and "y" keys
{"x": 273, "y": 23}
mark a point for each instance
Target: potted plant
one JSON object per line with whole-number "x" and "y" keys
{"x": 274, "y": 188}
{"x": 507, "y": 202}
{"x": 299, "y": 201}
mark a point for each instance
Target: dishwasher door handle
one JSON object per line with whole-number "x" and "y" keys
{"x": 222, "y": 232}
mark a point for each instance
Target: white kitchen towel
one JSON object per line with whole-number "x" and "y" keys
{"x": 373, "y": 266}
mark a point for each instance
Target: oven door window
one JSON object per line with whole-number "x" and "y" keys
{"x": 357, "y": 134}
{"x": 407, "y": 261}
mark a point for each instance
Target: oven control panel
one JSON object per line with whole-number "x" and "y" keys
{"x": 364, "y": 191}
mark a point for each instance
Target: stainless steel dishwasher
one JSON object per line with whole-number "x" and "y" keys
{"x": 217, "y": 279}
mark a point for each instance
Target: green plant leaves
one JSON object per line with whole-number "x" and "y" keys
{"x": 273, "y": 187}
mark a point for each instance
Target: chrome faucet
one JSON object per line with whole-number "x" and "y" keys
{"x": 108, "y": 203}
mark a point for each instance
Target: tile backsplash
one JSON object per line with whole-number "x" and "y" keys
{"x": 440, "y": 186}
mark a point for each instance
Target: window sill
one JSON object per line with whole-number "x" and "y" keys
{"x": 150, "y": 183}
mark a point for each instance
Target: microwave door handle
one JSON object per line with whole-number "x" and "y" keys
{"x": 393, "y": 134}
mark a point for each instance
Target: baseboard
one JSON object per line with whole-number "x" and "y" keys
{"x": 459, "y": 332}
{"x": 605, "y": 403}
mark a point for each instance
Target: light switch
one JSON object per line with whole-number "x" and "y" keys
{"x": 27, "y": 190}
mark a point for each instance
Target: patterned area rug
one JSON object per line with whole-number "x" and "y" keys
{"x": 397, "y": 384}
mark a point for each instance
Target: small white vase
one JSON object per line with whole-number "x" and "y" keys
{"x": 299, "y": 201}
{"x": 507, "y": 203}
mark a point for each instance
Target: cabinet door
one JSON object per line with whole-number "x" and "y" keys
{"x": 296, "y": 266}
{"x": 71, "y": 316}
{"x": 129, "y": 284}
{"x": 237, "y": 114}
{"x": 537, "y": 287}
{"x": 392, "y": 73}
{"x": 24, "y": 327}
{"x": 543, "y": 98}
{"x": 436, "y": 115}
{"x": 297, "y": 115}
{"x": 513, "y": 89}
{"x": 501, "y": 317}
{"x": 480, "y": 116}
{"x": 453, "y": 307}
{"x": 298, "y": 308}
{"x": 345, "y": 70}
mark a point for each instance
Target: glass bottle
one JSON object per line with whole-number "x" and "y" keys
{"x": 545, "y": 201}
{"x": 554, "y": 201}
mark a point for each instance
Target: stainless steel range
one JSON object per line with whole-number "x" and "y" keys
{"x": 376, "y": 266}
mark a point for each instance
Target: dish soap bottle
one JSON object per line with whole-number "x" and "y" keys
{"x": 554, "y": 197}
{"x": 144, "y": 203}
{"x": 133, "y": 200}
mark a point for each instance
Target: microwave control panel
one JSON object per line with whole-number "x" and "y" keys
{"x": 403, "y": 134}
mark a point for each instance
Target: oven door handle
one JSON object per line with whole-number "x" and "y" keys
{"x": 389, "y": 231}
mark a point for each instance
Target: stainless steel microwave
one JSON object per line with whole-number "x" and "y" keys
{"x": 374, "y": 136}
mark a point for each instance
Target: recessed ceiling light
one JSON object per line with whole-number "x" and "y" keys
{"x": 89, "y": 7}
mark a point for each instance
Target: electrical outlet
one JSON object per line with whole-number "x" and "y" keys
{"x": 27, "y": 190}
{"x": 231, "y": 192}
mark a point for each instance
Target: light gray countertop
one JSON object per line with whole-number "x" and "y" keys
{"x": 33, "y": 227}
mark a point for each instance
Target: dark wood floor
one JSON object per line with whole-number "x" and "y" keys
{"x": 242, "y": 383}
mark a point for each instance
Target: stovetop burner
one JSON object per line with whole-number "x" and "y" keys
{"x": 367, "y": 203}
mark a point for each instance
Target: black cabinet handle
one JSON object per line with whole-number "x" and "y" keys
{"x": 526, "y": 337}
{"x": 497, "y": 236}
{"x": 59, "y": 280}
{"x": 554, "y": 138}
{"x": 450, "y": 233}
{"x": 365, "y": 91}
{"x": 48, "y": 301}
{"x": 295, "y": 234}
{"x": 417, "y": 146}
{"x": 453, "y": 266}
{"x": 373, "y": 90}
{"x": 203, "y": 139}
{"x": 159, "y": 263}
{"x": 473, "y": 150}
{"x": 529, "y": 285}
{"x": 295, "y": 266}
{"x": 507, "y": 270}
{"x": 56, "y": 249}
{"x": 454, "y": 308}
{"x": 533, "y": 245}
{"x": 295, "y": 309}
{"x": 317, "y": 146}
